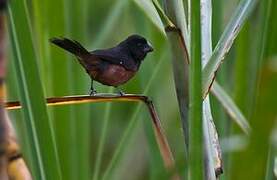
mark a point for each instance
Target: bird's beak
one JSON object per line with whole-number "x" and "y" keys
{"x": 148, "y": 48}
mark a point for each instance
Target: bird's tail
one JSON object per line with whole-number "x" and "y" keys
{"x": 72, "y": 46}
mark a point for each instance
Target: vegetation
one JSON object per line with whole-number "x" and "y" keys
{"x": 212, "y": 78}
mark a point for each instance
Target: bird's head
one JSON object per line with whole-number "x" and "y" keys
{"x": 138, "y": 46}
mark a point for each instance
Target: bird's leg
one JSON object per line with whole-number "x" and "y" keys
{"x": 120, "y": 92}
{"x": 92, "y": 90}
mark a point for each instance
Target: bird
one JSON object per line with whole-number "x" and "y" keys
{"x": 113, "y": 66}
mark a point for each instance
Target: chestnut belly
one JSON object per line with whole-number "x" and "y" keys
{"x": 113, "y": 75}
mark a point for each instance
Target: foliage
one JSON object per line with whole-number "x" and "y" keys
{"x": 106, "y": 139}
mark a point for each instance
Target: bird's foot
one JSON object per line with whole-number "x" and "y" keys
{"x": 121, "y": 93}
{"x": 92, "y": 92}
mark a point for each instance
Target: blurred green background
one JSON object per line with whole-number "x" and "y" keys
{"x": 116, "y": 140}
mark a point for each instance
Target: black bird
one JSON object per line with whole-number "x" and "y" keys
{"x": 113, "y": 66}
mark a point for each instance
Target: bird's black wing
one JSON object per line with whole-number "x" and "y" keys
{"x": 117, "y": 56}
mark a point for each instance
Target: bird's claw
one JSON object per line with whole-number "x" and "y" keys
{"x": 92, "y": 92}
{"x": 121, "y": 93}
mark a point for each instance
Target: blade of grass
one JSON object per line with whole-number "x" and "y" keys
{"x": 179, "y": 41}
{"x": 213, "y": 158}
{"x": 206, "y": 30}
{"x": 213, "y": 166}
{"x": 196, "y": 158}
{"x": 231, "y": 107}
{"x": 39, "y": 28}
{"x": 180, "y": 70}
{"x": 31, "y": 95}
{"x": 224, "y": 44}
{"x": 174, "y": 9}
{"x": 218, "y": 112}
{"x": 177, "y": 32}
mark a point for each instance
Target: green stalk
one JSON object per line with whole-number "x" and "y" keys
{"x": 211, "y": 143}
{"x": 40, "y": 132}
{"x": 219, "y": 115}
{"x": 230, "y": 107}
{"x": 196, "y": 158}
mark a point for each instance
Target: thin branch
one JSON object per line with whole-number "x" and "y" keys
{"x": 165, "y": 150}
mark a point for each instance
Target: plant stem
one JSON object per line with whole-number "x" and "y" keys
{"x": 196, "y": 160}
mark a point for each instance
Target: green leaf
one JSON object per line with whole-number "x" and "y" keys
{"x": 166, "y": 21}
{"x": 230, "y": 107}
{"x": 178, "y": 39}
{"x": 40, "y": 132}
{"x": 224, "y": 44}
{"x": 196, "y": 156}
{"x": 174, "y": 9}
